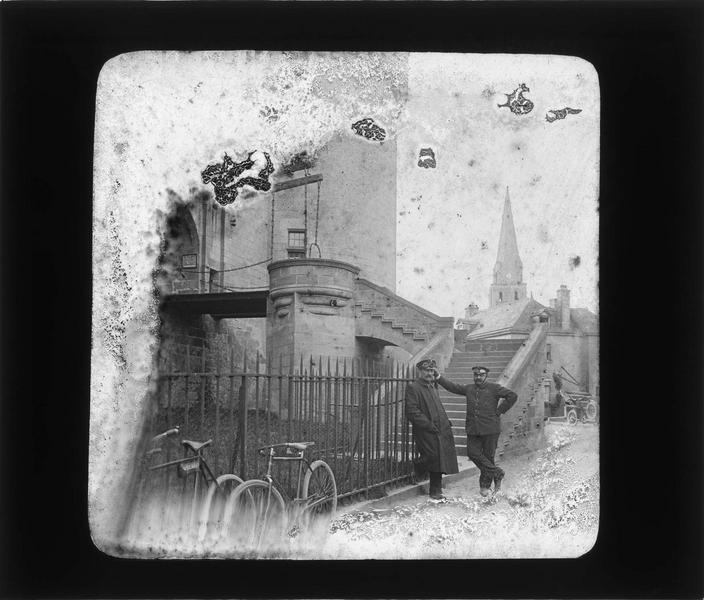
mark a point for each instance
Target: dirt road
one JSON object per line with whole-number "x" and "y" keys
{"x": 548, "y": 507}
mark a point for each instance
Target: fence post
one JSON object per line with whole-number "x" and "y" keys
{"x": 367, "y": 439}
{"x": 243, "y": 419}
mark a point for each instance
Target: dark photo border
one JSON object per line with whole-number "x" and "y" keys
{"x": 649, "y": 59}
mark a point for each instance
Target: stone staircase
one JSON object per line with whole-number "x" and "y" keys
{"x": 381, "y": 326}
{"x": 492, "y": 354}
{"x": 382, "y": 315}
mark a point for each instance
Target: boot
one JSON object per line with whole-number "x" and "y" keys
{"x": 497, "y": 481}
{"x": 435, "y": 487}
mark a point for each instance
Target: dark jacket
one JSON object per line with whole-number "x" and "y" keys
{"x": 483, "y": 408}
{"x": 432, "y": 430}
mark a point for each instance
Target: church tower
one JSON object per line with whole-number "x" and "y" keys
{"x": 508, "y": 285}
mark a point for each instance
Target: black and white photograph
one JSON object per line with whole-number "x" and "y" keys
{"x": 345, "y": 306}
{"x": 342, "y": 299}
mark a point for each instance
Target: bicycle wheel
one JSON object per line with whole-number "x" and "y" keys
{"x": 320, "y": 491}
{"x": 572, "y": 417}
{"x": 254, "y": 516}
{"x": 213, "y": 507}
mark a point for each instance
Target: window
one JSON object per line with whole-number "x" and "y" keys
{"x": 515, "y": 295}
{"x": 501, "y": 296}
{"x": 296, "y": 243}
{"x": 296, "y": 239}
{"x": 548, "y": 352}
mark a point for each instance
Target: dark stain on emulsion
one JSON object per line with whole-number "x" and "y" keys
{"x": 575, "y": 261}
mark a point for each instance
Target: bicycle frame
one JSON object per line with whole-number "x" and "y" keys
{"x": 271, "y": 480}
{"x": 297, "y": 502}
{"x": 194, "y": 462}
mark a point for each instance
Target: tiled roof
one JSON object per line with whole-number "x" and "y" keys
{"x": 580, "y": 318}
{"x": 507, "y": 315}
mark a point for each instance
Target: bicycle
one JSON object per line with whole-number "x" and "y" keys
{"x": 209, "y": 508}
{"x": 260, "y": 509}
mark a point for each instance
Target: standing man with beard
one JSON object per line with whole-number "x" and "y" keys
{"x": 432, "y": 429}
{"x": 486, "y": 402}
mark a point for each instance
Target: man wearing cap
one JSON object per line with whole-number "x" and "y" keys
{"x": 486, "y": 402}
{"x": 432, "y": 430}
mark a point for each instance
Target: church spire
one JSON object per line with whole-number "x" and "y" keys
{"x": 508, "y": 283}
{"x": 508, "y": 267}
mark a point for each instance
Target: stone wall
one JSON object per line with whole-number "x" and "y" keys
{"x": 355, "y": 217}
{"x": 522, "y": 427}
{"x": 570, "y": 351}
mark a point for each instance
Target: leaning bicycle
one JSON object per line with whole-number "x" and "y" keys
{"x": 205, "y": 506}
{"x": 260, "y": 510}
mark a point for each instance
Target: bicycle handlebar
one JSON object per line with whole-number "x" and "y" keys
{"x": 167, "y": 433}
{"x": 300, "y": 446}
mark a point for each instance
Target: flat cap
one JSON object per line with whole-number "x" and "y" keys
{"x": 427, "y": 363}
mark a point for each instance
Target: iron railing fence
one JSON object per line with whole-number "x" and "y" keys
{"x": 352, "y": 409}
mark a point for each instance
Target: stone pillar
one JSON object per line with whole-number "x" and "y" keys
{"x": 310, "y": 310}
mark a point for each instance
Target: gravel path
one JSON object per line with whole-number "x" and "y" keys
{"x": 548, "y": 507}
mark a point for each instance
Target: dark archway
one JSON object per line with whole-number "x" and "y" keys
{"x": 181, "y": 260}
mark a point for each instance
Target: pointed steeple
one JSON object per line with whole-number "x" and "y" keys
{"x": 508, "y": 268}
{"x": 508, "y": 283}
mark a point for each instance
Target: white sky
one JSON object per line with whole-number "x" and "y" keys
{"x": 551, "y": 170}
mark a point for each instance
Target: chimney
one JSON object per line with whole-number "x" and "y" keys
{"x": 563, "y": 304}
{"x": 471, "y": 310}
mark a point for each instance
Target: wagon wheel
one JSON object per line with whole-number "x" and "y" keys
{"x": 572, "y": 417}
{"x": 592, "y": 410}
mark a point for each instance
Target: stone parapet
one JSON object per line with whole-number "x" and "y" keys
{"x": 400, "y": 310}
{"x": 525, "y": 374}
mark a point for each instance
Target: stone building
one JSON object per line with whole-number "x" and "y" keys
{"x": 308, "y": 268}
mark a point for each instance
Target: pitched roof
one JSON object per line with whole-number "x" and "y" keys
{"x": 506, "y": 315}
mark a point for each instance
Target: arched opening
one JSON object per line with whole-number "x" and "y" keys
{"x": 180, "y": 263}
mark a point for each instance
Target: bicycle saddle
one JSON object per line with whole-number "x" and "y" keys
{"x": 195, "y": 446}
{"x": 300, "y": 445}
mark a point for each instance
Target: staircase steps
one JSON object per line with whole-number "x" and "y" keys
{"x": 492, "y": 354}
{"x": 399, "y": 328}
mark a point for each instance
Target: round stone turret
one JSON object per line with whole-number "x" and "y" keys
{"x": 310, "y": 310}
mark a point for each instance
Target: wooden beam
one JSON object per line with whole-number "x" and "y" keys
{"x": 285, "y": 185}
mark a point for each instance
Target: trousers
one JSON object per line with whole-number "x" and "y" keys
{"x": 481, "y": 450}
{"x": 435, "y": 486}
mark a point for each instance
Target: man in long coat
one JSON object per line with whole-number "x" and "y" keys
{"x": 432, "y": 429}
{"x": 486, "y": 402}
